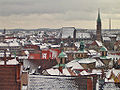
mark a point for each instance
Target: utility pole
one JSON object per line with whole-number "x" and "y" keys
{"x": 110, "y": 24}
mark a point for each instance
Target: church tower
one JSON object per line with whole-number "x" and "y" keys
{"x": 98, "y": 32}
{"x": 4, "y": 31}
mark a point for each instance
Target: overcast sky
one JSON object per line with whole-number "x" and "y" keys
{"x": 28, "y": 14}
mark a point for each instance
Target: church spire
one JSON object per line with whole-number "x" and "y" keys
{"x": 98, "y": 32}
{"x": 4, "y": 31}
{"x": 99, "y": 19}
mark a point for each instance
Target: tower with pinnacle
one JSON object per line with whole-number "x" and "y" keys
{"x": 98, "y": 32}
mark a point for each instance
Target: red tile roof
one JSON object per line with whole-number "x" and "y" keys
{"x": 35, "y": 56}
{"x": 44, "y": 54}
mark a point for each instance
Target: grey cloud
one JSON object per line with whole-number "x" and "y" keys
{"x": 68, "y": 9}
{"x": 30, "y": 7}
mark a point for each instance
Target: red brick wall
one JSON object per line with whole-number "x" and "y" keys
{"x": 10, "y": 77}
{"x": 89, "y": 84}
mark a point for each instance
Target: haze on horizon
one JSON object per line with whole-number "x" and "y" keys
{"x": 28, "y": 14}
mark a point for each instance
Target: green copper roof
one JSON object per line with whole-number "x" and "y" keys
{"x": 82, "y": 46}
{"x": 105, "y": 57}
{"x": 103, "y": 49}
{"x": 98, "y": 19}
{"x": 82, "y": 43}
{"x": 62, "y": 55}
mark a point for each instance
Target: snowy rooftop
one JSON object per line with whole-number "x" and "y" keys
{"x": 106, "y": 39}
{"x": 84, "y": 73}
{"x": 99, "y": 63}
{"x": 105, "y": 57}
{"x": 66, "y": 72}
{"x": 10, "y": 62}
{"x": 118, "y": 38}
{"x": 92, "y": 52}
{"x": 34, "y": 43}
{"x": 79, "y": 51}
{"x": 55, "y": 46}
{"x": 74, "y": 65}
{"x": 114, "y": 72}
{"x": 87, "y": 60}
{"x": 67, "y": 31}
{"x": 1, "y": 62}
{"x": 2, "y": 54}
{"x": 10, "y": 44}
{"x": 114, "y": 57}
{"x": 26, "y": 52}
{"x": 23, "y": 57}
{"x": 52, "y": 71}
{"x": 95, "y": 71}
{"x": 82, "y": 35}
{"x": 112, "y": 35}
{"x": 99, "y": 43}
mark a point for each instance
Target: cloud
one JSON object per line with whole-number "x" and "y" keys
{"x": 53, "y": 12}
{"x": 8, "y": 7}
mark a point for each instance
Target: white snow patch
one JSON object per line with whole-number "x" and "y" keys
{"x": 12, "y": 62}
{"x": 54, "y": 71}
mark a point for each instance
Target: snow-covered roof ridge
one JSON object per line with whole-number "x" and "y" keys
{"x": 99, "y": 63}
{"x": 108, "y": 74}
{"x": 14, "y": 43}
{"x": 84, "y": 73}
{"x": 52, "y": 71}
{"x": 26, "y": 52}
{"x": 1, "y": 62}
{"x": 87, "y": 60}
{"x": 99, "y": 43}
{"x": 95, "y": 71}
{"x": 106, "y": 39}
{"x": 12, "y": 62}
{"x": 116, "y": 72}
{"x": 74, "y": 65}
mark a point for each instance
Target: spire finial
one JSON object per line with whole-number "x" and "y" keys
{"x": 98, "y": 19}
{"x": 98, "y": 10}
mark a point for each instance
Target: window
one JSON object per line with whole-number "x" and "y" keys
{"x": 61, "y": 61}
{"x": 102, "y": 53}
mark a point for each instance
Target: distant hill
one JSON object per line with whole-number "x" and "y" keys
{"x": 49, "y": 29}
{"x": 40, "y": 29}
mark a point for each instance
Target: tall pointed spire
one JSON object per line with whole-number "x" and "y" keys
{"x": 4, "y": 31}
{"x": 99, "y": 19}
{"x": 98, "y": 32}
